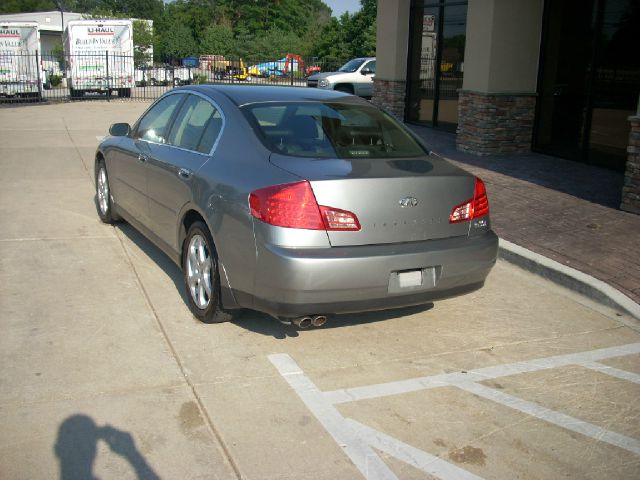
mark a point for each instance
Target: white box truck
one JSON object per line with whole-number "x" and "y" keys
{"x": 20, "y": 72}
{"x": 99, "y": 56}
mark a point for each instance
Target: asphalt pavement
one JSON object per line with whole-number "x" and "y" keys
{"x": 104, "y": 372}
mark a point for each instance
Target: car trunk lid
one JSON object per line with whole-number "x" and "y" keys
{"x": 395, "y": 200}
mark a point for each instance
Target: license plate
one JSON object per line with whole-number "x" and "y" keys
{"x": 412, "y": 278}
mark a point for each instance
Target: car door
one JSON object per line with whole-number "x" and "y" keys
{"x": 172, "y": 166}
{"x": 365, "y": 87}
{"x": 130, "y": 162}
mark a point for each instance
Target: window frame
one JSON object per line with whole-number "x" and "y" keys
{"x": 185, "y": 94}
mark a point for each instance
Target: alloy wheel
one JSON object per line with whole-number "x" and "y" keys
{"x": 103, "y": 191}
{"x": 199, "y": 265}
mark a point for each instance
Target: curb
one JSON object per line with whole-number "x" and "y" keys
{"x": 567, "y": 277}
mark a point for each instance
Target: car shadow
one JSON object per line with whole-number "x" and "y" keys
{"x": 253, "y": 320}
{"x": 157, "y": 255}
{"x": 264, "y": 324}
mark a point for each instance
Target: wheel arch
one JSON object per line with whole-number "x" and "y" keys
{"x": 188, "y": 216}
{"x": 348, "y": 86}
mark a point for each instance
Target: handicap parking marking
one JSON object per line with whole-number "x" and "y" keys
{"x": 360, "y": 453}
{"x": 481, "y": 374}
{"x": 359, "y": 440}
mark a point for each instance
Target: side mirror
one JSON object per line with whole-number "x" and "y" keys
{"x": 366, "y": 71}
{"x": 120, "y": 129}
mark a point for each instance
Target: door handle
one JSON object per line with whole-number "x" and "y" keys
{"x": 142, "y": 158}
{"x": 184, "y": 173}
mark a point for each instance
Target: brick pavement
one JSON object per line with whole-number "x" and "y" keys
{"x": 564, "y": 210}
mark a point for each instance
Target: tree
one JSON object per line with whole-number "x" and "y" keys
{"x": 176, "y": 41}
{"x": 217, "y": 40}
{"x": 142, "y": 42}
{"x": 351, "y": 35}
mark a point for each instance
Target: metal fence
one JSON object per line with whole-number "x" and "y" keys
{"x": 42, "y": 78}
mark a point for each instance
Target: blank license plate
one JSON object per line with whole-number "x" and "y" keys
{"x": 412, "y": 278}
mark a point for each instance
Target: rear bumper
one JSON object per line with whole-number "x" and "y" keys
{"x": 292, "y": 282}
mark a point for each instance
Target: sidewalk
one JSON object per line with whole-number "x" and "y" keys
{"x": 566, "y": 211}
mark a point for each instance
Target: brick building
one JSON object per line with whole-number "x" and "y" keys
{"x": 561, "y": 77}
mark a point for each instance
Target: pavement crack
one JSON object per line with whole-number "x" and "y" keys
{"x": 203, "y": 411}
{"x": 75, "y": 147}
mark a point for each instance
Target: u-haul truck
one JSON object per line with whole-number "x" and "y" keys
{"x": 99, "y": 56}
{"x": 20, "y": 73}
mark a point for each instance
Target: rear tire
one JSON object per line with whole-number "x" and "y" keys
{"x": 201, "y": 276}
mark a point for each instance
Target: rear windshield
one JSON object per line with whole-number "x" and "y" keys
{"x": 331, "y": 130}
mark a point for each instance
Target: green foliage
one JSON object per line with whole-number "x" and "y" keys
{"x": 351, "y": 35}
{"x": 20, "y": 6}
{"x": 142, "y": 42}
{"x": 55, "y": 80}
{"x": 199, "y": 79}
{"x": 176, "y": 40}
{"x": 264, "y": 29}
{"x": 217, "y": 40}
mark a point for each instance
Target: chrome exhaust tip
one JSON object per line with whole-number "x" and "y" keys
{"x": 302, "y": 322}
{"x": 318, "y": 320}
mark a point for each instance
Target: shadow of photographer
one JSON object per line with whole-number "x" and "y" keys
{"x": 77, "y": 444}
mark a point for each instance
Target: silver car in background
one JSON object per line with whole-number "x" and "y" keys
{"x": 296, "y": 202}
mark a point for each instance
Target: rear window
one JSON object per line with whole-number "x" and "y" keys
{"x": 331, "y": 130}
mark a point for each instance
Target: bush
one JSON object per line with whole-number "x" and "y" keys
{"x": 55, "y": 80}
{"x": 200, "y": 79}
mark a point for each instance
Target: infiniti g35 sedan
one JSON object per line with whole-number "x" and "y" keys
{"x": 296, "y": 202}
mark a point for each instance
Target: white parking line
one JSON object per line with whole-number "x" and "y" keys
{"x": 363, "y": 456}
{"x": 477, "y": 375}
{"x": 359, "y": 440}
{"x": 413, "y": 456}
{"x": 560, "y": 419}
{"x": 100, "y": 137}
{"x": 611, "y": 371}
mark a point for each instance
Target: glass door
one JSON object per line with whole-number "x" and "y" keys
{"x": 436, "y": 62}
{"x": 589, "y": 80}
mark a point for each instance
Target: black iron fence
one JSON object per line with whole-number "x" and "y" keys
{"x": 38, "y": 78}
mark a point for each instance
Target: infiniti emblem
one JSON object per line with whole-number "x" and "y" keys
{"x": 408, "y": 202}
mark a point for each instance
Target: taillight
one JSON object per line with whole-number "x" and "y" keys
{"x": 293, "y": 205}
{"x": 477, "y": 207}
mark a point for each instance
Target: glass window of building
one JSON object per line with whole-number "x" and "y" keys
{"x": 436, "y": 61}
{"x": 589, "y": 80}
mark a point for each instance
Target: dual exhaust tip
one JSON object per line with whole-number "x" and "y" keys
{"x": 309, "y": 321}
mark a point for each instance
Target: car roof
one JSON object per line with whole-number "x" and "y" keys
{"x": 246, "y": 94}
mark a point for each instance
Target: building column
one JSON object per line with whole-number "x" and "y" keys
{"x": 631, "y": 188}
{"x": 496, "y": 107}
{"x": 392, "y": 42}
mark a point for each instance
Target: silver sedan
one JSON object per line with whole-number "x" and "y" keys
{"x": 296, "y": 202}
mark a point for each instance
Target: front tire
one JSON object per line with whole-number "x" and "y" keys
{"x": 104, "y": 203}
{"x": 201, "y": 276}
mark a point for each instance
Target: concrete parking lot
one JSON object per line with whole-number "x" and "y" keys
{"x": 104, "y": 372}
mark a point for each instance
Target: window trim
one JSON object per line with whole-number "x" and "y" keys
{"x": 185, "y": 94}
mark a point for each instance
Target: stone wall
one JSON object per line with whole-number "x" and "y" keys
{"x": 490, "y": 123}
{"x": 631, "y": 188}
{"x": 390, "y": 95}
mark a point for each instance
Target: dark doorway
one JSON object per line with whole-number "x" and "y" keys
{"x": 589, "y": 80}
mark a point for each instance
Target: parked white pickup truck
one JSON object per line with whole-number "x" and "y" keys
{"x": 355, "y": 76}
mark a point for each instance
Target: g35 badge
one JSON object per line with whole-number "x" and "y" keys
{"x": 408, "y": 202}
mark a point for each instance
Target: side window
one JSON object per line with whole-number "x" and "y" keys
{"x": 371, "y": 66}
{"x": 197, "y": 125}
{"x": 153, "y": 126}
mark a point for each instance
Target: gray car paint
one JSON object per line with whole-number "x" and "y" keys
{"x": 288, "y": 272}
